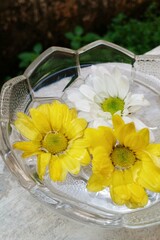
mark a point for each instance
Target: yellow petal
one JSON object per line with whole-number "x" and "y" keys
{"x": 128, "y": 178}
{"x": 45, "y": 110}
{"x": 102, "y": 136}
{"x": 42, "y": 163}
{"x": 94, "y": 137}
{"x": 120, "y": 194}
{"x": 149, "y": 176}
{"x": 23, "y": 116}
{"x": 31, "y": 146}
{"x": 26, "y": 127}
{"x": 68, "y": 116}
{"x": 73, "y": 114}
{"x": 40, "y": 121}
{"x": 79, "y": 143}
{"x": 101, "y": 163}
{"x": 60, "y": 116}
{"x": 118, "y": 188}
{"x": 57, "y": 171}
{"x": 135, "y": 169}
{"x": 117, "y": 121}
{"x": 63, "y": 119}
{"x": 86, "y": 158}
{"x": 146, "y": 156}
{"x": 57, "y": 112}
{"x": 124, "y": 191}
{"x": 117, "y": 178}
{"x": 97, "y": 183}
{"x": 154, "y": 148}
{"x": 79, "y": 153}
{"x": 108, "y": 134}
{"x": 156, "y": 160}
{"x": 144, "y": 136}
{"x": 143, "y": 155}
{"x": 123, "y": 133}
{"x": 75, "y": 128}
{"x": 29, "y": 154}
{"x": 70, "y": 163}
{"x": 138, "y": 198}
{"x": 138, "y": 140}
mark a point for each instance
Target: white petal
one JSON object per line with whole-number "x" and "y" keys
{"x": 89, "y": 80}
{"x": 101, "y": 122}
{"x": 125, "y": 112}
{"x": 110, "y": 85}
{"x": 119, "y": 112}
{"x": 83, "y": 105}
{"x": 122, "y": 83}
{"x": 98, "y": 76}
{"x": 98, "y": 84}
{"x": 87, "y": 91}
{"x": 99, "y": 71}
{"x": 85, "y": 115}
{"x": 138, "y": 123}
{"x": 74, "y": 95}
{"x": 123, "y": 87}
{"x": 99, "y": 98}
{"x": 134, "y": 109}
{"x": 101, "y": 114}
{"x": 127, "y": 100}
{"x": 137, "y": 99}
{"x": 116, "y": 73}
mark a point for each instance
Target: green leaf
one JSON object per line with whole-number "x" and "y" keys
{"x": 27, "y": 56}
{"x": 69, "y": 35}
{"x": 78, "y": 30}
{"x": 38, "y": 48}
{"x": 90, "y": 37}
{"x": 75, "y": 44}
{"x": 23, "y": 64}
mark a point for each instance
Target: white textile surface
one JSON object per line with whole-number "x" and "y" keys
{"x": 24, "y": 218}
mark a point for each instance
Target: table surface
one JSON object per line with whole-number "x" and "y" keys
{"x": 23, "y": 217}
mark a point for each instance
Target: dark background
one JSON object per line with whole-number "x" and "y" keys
{"x": 26, "y": 23}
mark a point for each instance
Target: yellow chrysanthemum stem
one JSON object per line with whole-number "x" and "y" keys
{"x": 122, "y": 157}
{"x": 113, "y": 105}
{"x": 55, "y": 142}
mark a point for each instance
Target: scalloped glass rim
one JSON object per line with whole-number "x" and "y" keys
{"x": 22, "y": 92}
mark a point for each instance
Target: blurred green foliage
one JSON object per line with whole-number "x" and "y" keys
{"x": 78, "y": 38}
{"x": 137, "y": 35}
{"x": 28, "y": 57}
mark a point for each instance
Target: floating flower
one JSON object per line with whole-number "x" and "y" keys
{"x": 55, "y": 136}
{"x": 125, "y": 161}
{"x": 104, "y": 94}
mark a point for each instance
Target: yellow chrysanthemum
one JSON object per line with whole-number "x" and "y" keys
{"x": 55, "y": 135}
{"x": 124, "y": 161}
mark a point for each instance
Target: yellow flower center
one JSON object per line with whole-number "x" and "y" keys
{"x": 112, "y": 105}
{"x": 55, "y": 142}
{"x": 122, "y": 157}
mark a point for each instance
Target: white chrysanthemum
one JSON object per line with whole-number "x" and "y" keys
{"x": 104, "y": 94}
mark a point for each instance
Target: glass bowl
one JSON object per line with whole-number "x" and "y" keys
{"x": 47, "y": 79}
